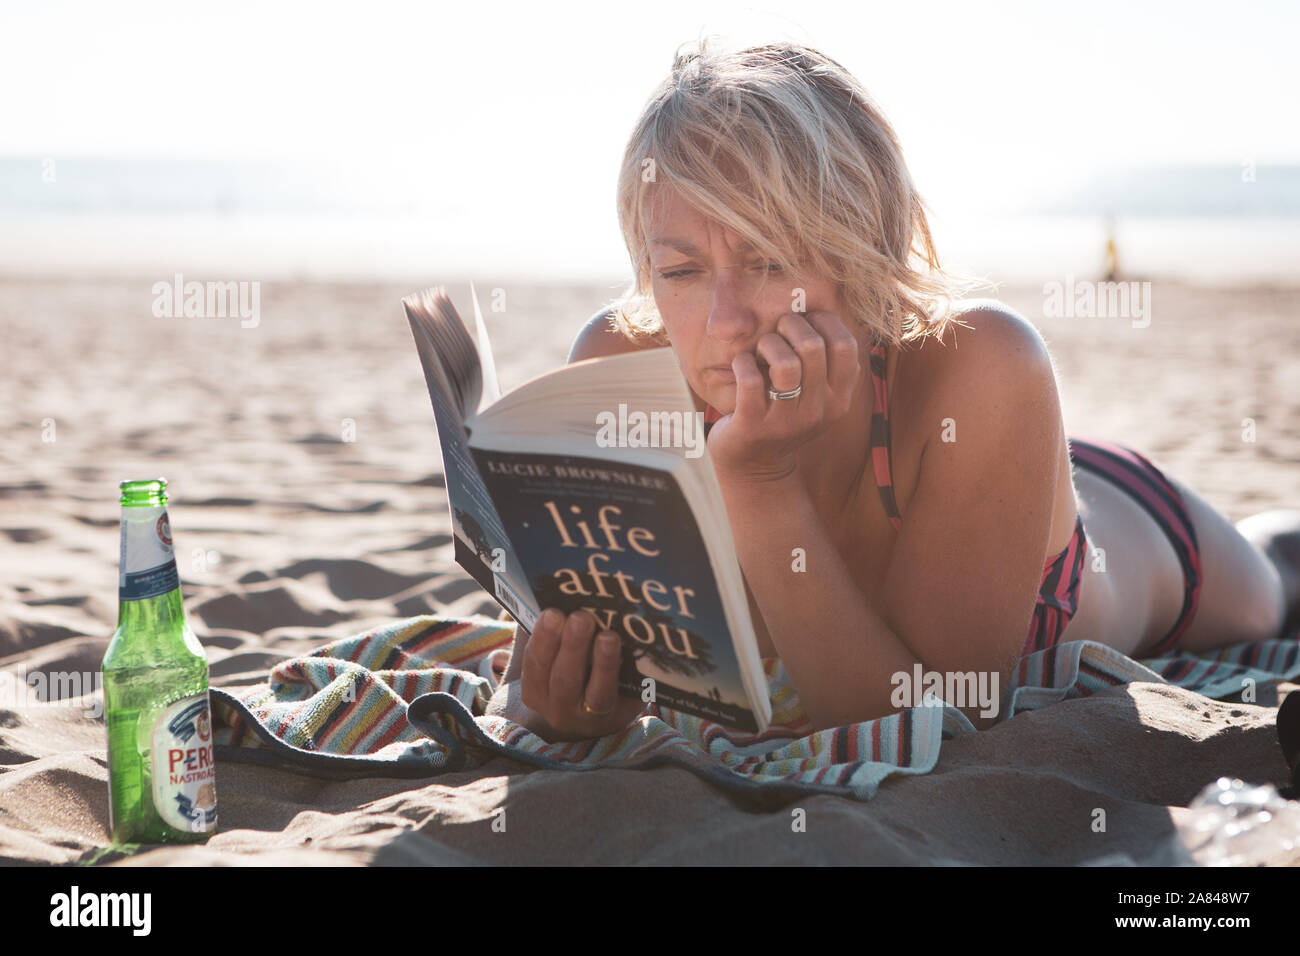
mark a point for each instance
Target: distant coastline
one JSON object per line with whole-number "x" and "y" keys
{"x": 108, "y": 218}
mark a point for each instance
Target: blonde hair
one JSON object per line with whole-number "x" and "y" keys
{"x": 782, "y": 145}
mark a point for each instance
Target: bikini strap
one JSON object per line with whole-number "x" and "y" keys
{"x": 880, "y": 435}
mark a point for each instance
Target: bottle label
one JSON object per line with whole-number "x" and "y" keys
{"x": 147, "y": 565}
{"x": 184, "y": 776}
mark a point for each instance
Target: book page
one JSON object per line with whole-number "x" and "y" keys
{"x": 461, "y": 367}
{"x": 482, "y": 546}
{"x": 487, "y": 362}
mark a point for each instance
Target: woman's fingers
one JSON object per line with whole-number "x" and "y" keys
{"x": 809, "y": 347}
{"x": 601, "y": 696}
{"x": 539, "y": 657}
{"x": 784, "y": 370}
{"x": 843, "y": 359}
{"x": 751, "y": 389}
{"x": 796, "y": 358}
{"x": 569, "y": 675}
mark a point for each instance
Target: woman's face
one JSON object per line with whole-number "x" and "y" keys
{"x": 711, "y": 294}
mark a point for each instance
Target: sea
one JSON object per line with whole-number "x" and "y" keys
{"x": 244, "y": 221}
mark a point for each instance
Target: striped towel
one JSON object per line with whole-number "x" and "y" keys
{"x": 408, "y": 700}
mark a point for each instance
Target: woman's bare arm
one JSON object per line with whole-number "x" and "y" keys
{"x": 963, "y": 575}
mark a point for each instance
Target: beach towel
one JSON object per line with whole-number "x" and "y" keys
{"x": 408, "y": 700}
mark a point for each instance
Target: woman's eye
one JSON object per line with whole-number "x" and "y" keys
{"x": 678, "y": 274}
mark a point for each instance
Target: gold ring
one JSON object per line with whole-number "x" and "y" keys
{"x": 596, "y": 713}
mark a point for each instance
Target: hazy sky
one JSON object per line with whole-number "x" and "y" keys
{"x": 545, "y": 94}
{"x": 520, "y": 111}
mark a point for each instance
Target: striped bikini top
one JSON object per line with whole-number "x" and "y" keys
{"x": 1058, "y": 591}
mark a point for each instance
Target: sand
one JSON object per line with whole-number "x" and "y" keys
{"x": 289, "y": 535}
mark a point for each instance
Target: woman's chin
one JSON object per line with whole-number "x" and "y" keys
{"x": 722, "y": 398}
{"x": 715, "y": 392}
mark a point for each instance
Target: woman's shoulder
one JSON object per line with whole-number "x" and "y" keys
{"x": 981, "y": 333}
{"x": 601, "y": 336}
{"x": 988, "y": 349}
{"x": 990, "y": 322}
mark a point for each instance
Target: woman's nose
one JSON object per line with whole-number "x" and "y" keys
{"x": 731, "y": 316}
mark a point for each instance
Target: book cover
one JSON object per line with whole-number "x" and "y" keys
{"x": 620, "y": 540}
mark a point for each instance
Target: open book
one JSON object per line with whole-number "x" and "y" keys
{"x": 591, "y": 487}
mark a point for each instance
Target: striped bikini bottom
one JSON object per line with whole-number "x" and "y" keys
{"x": 1149, "y": 487}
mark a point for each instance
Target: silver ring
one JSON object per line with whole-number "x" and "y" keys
{"x": 784, "y": 396}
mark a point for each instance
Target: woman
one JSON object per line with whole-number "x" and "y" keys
{"x": 782, "y": 252}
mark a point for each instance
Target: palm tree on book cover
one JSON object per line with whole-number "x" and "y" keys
{"x": 658, "y": 654}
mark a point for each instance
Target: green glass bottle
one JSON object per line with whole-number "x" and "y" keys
{"x": 161, "y": 778}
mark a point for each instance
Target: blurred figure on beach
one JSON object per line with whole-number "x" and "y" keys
{"x": 1110, "y": 265}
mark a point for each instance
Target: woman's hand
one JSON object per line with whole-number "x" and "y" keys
{"x": 812, "y": 352}
{"x": 570, "y": 678}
